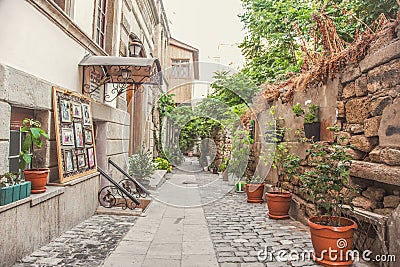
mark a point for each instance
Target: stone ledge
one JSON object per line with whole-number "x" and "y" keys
{"x": 380, "y": 57}
{"x": 376, "y": 172}
{"x": 52, "y": 191}
{"x": 76, "y": 181}
{"x": 14, "y": 204}
{"x": 157, "y": 179}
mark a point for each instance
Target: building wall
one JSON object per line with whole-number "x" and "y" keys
{"x": 181, "y": 87}
{"x": 363, "y": 100}
{"x": 41, "y": 47}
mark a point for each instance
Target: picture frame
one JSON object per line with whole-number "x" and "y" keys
{"x": 76, "y": 110}
{"x": 73, "y": 137}
{"x": 68, "y": 161}
{"x": 78, "y": 131}
{"x": 81, "y": 161}
{"x": 65, "y": 111}
{"x": 91, "y": 157}
{"x": 67, "y": 136}
{"x": 88, "y": 136}
{"x": 86, "y": 115}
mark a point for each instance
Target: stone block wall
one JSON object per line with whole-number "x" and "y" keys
{"x": 364, "y": 101}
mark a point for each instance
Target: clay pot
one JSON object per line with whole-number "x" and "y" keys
{"x": 254, "y": 193}
{"x": 278, "y": 204}
{"x": 338, "y": 240}
{"x": 38, "y": 179}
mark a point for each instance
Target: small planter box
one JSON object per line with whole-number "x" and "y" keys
{"x": 14, "y": 193}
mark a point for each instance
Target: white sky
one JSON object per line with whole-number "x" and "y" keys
{"x": 212, "y": 26}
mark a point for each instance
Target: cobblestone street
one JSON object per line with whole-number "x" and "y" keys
{"x": 239, "y": 231}
{"x": 87, "y": 244}
{"x": 228, "y": 232}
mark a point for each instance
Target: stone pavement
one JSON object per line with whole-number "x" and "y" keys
{"x": 211, "y": 227}
{"x": 87, "y": 244}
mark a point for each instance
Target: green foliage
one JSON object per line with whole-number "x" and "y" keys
{"x": 239, "y": 152}
{"x": 233, "y": 89}
{"x": 141, "y": 164}
{"x": 310, "y": 116}
{"x": 10, "y": 179}
{"x": 254, "y": 180}
{"x": 163, "y": 164}
{"x": 33, "y": 138}
{"x": 287, "y": 165}
{"x": 271, "y": 46}
{"x": 328, "y": 181}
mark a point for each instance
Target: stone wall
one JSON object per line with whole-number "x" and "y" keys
{"x": 364, "y": 100}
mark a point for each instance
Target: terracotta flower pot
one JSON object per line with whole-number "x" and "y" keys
{"x": 225, "y": 176}
{"x": 331, "y": 243}
{"x": 278, "y": 204}
{"x": 38, "y": 179}
{"x": 255, "y": 193}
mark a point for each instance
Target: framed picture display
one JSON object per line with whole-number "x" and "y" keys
{"x": 86, "y": 115}
{"x": 91, "y": 157}
{"x": 68, "y": 161}
{"x": 78, "y": 132}
{"x": 76, "y": 110}
{"x": 76, "y": 147}
{"x": 65, "y": 110}
{"x": 67, "y": 136}
{"x": 88, "y": 137}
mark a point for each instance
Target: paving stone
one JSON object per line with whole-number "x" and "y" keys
{"x": 87, "y": 244}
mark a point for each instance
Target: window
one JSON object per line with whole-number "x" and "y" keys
{"x": 16, "y": 137}
{"x": 101, "y": 22}
{"x": 67, "y": 6}
{"x": 180, "y": 68}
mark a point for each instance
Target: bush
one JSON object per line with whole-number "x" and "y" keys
{"x": 163, "y": 164}
{"x": 141, "y": 164}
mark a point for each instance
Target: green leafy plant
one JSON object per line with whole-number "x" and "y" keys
{"x": 328, "y": 181}
{"x": 34, "y": 136}
{"x": 163, "y": 164}
{"x": 239, "y": 152}
{"x": 255, "y": 180}
{"x": 10, "y": 179}
{"x": 310, "y": 116}
{"x": 287, "y": 165}
{"x": 141, "y": 164}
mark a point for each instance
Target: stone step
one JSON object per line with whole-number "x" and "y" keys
{"x": 377, "y": 172}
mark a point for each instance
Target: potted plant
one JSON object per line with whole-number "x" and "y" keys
{"x": 311, "y": 120}
{"x": 255, "y": 189}
{"x": 286, "y": 166}
{"x": 141, "y": 166}
{"x": 34, "y": 136}
{"x": 326, "y": 183}
{"x": 13, "y": 188}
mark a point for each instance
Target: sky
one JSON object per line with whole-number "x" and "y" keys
{"x": 212, "y": 26}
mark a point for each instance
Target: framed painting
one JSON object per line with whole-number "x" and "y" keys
{"x": 91, "y": 157}
{"x": 76, "y": 110}
{"x": 88, "y": 137}
{"x": 67, "y": 136}
{"x": 68, "y": 161}
{"x": 78, "y": 130}
{"x": 81, "y": 161}
{"x": 65, "y": 110}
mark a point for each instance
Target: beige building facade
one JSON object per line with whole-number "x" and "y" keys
{"x": 42, "y": 44}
